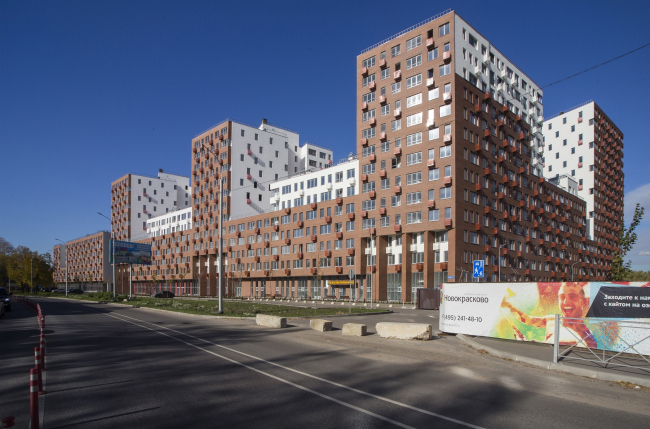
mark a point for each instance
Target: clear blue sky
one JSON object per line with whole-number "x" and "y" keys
{"x": 91, "y": 90}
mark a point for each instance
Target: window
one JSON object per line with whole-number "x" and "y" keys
{"x": 414, "y": 100}
{"x": 366, "y": 98}
{"x": 385, "y": 110}
{"x": 395, "y": 125}
{"x": 395, "y": 201}
{"x": 414, "y": 217}
{"x": 395, "y": 51}
{"x": 413, "y": 139}
{"x": 369, "y": 62}
{"x": 414, "y": 158}
{"x": 414, "y": 198}
{"x": 443, "y": 30}
{"x": 445, "y": 110}
{"x": 413, "y": 81}
{"x": 414, "y": 119}
{"x": 385, "y": 146}
{"x": 395, "y": 87}
{"x": 413, "y": 62}
{"x": 434, "y": 215}
{"x": 434, "y": 174}
{"x": 414, "y": 178}
{"x": 368, "y": 79}
{"x": 432, "y": 54}
{"x": 413, "y": 43}
{"x": 434, "y": 93}
{"x": 445, "y": 193}
{"x": 445, "y": 69}
{"x": 434, "y": 133}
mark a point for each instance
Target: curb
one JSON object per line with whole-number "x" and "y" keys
{"x": 560, "y": 367}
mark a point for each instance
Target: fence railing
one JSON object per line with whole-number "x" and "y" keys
{"x": 604, "y": 342}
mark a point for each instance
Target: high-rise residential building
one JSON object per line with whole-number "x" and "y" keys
{"x": 136, "y": 198}
{"x": 584, "y": 144}
{"x": 448, "y": 170}
{"x": 88, "y": 262}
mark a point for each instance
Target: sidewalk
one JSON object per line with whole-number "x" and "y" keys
{"x": 538, "y": 354}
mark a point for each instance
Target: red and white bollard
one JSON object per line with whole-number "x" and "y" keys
{"x": 37, "y": 361}
{"x": 42, "y": 347}
{"x": 33, "y": 398}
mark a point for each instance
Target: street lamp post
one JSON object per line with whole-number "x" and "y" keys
{"x": 31, "y": 274}
{"x": 572, "y": 265}
{"x": 113, "y": 244}
{"x": 500, "y": 247}
{"x": 66, "y": 266}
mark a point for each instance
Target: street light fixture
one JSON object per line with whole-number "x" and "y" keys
{"x": 66, "y": 266}
{"x": 572, "y": 265}
{"x": 113, "y": 243}
{"x": 500, "y": 247}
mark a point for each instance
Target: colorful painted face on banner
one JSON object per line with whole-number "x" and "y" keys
{"x": 572, "y": 300}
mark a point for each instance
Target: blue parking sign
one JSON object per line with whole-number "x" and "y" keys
{"x": 478, "y": 269}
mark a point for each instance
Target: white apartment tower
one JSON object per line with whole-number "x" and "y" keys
{"x": 136, "y": 198}
{"x": 583, "y": 143}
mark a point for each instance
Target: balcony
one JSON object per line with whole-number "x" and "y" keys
{"x": 364, "y": 177}
{"x": 431, "y": 163}
{"x": 364, "y": 71}
{"x": 447, "y": 181}
{"x": 372, "y": 86}
{"x": 364, "y": 106}
{"x": 398, "y": 228}
{"x": 446, "y": 139}
{"x": 313, "y": 206}
{"x": 398, "y": 189}
{"x": 351, "y": 252}
{"x": 430, "y": 43}
{"x": 314, "y": 238}
{"x": 446, "y": 56}
{"x": 448, "y": 223}
{"x": 430, "y": 123}
{"x": 382, "y": 99}
{"x": 382, "y": 173}
{"x": 397, "y": 113}
{"x": 339, "y": 200}
{"x": 382, "y": 63}
{"x": 430, "y": 82}
{"x": 372, "y": 122}
{"x": 446, "y": 97}
{"x": 339, "y": 235}
{"x": 372, "y": 194}
{"x": 382, "y": 136}
{"x": 397, "y": 75}
{"x": 382, "y": 211}
{"x": 364, "y": 142}
{"x": 364, "y": 214}
{"x": 431, "y": 204}
{"x": 372, "y": 157}
{"x": 397, "y": 151}
{"x": 351, "y": 216}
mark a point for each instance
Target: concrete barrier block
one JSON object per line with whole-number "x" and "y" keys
{"x": 320, "y": 325}
{"x": 355, "y": 329}
{"x": 404, "y": 331}
{"x": 271, "y": 321}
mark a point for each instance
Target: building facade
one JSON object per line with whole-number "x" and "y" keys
{"x": 88, "y": 262}
{"x": 448, "y": 170}
{"x": 136, "y": 198}
{"x": 584, "y": 143}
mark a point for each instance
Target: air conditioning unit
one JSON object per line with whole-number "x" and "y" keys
{"x": 486, "y": 63}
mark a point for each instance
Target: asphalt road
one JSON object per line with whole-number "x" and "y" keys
{"x": 111, "y": 366}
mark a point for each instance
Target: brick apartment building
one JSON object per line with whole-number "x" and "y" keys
{"x": 449, "y": 169}
{"x": 88, "y": 262}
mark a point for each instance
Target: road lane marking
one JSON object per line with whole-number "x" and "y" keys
{"x": 381, "y": 398}
{"x": 306, "y": 389}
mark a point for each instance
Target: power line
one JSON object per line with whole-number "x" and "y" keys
{"x": 596, "y": 66}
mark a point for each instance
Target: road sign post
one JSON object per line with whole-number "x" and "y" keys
{"x": 479, "y": 269}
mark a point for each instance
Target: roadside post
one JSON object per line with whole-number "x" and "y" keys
{"x": 351, "y": 275}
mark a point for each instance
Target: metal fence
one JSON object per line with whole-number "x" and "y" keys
{"x": 622, "y": 343}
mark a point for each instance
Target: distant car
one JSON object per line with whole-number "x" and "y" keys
{"x": 75, "y": 291}
{"x": 5, "y": 297}
{"x": 59, "y": 290}
{"x": 164, "y": 294}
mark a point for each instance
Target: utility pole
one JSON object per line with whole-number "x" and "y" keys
{"x": 65, "y": 246}
{"x": 113, "y": 244}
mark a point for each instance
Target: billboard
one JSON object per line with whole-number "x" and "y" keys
{"x": 526, "y": 312}
{"x": 131, "y": 253}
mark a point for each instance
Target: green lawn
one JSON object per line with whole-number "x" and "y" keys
{"x": 230, "y": 308}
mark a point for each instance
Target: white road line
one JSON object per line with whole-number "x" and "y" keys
{"x": 329, "y": 398}
{"x": 381, "y": 398}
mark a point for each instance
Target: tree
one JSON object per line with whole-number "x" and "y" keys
{"x": 152, "y": 283}
{"x": 6, "y": 249}
{"x": 621, "y": 270}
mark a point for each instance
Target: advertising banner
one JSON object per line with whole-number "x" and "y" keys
{"x": 526, "y": 312}
{"x": 131, "y": 253}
